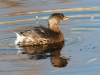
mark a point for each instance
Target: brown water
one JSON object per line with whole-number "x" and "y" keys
{"x": 81, "y": 32}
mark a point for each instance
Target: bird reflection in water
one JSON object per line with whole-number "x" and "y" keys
{"x": 45, "y": 51}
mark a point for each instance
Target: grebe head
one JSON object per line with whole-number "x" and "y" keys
{"x": 55, "y": 18}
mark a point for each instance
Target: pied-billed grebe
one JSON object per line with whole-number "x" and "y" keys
{"x": 42, "y": 35}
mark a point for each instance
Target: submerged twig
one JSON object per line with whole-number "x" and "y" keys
{"x": 37, "y": 19}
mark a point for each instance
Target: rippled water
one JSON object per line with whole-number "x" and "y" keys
{"x": 81, "y": 32}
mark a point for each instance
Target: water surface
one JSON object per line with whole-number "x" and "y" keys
{"x": 81, "y": 32}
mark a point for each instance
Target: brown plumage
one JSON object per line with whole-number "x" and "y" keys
{"x": 42, "y": 35}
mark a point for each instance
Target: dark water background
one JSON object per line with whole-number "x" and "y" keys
{"x": 81, "y": 32}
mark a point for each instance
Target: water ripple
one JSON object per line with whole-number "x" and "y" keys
{"x": 73, "y": 40}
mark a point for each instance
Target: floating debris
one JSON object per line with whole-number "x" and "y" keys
{"x": 91, "y": 60}
{"x": 93, "y": 47}
{"x": 92, "y": 17}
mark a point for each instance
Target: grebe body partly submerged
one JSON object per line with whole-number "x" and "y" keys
{"x": 40, "y": 35}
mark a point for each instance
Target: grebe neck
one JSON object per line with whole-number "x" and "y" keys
{"x": 54, "y": 28}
